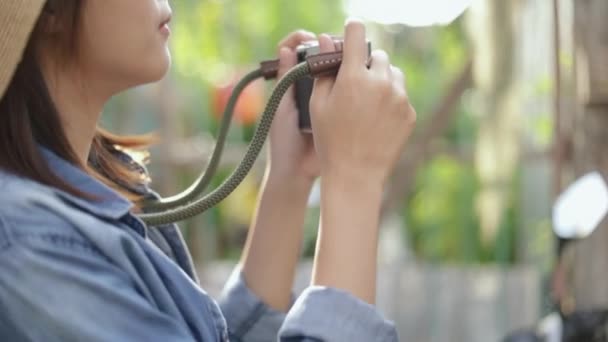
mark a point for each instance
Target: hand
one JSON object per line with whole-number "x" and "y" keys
{"x": 362, "y": 118}
{"x": 291, "y": 154}
{"x": 273, "y": 243}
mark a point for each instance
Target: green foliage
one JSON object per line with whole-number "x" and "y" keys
{"x": 441, "y": 217}
{"x": 442, "y": 221}
{"x": 214, "y": 39}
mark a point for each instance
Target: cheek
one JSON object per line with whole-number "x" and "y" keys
{"x": 142, "y": 56}
{"x": 128, "y": 55}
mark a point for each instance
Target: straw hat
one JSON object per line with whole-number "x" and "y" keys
{"x": 17, "y": 20}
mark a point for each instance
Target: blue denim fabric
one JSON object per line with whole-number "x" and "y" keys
{"x": 82, "y": 270}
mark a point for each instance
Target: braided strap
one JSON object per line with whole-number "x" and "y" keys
{"x": 199, "y": 186}
{"x": 232, "y": 182}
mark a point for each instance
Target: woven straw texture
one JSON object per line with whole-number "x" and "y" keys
{"x": 17, "y": 20}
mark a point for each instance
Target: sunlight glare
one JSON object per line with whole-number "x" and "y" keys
{"x": 408, "y": 12}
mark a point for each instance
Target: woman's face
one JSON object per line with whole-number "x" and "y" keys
{"x": 124, "y": 43}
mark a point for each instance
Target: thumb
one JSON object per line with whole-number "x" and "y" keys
{"x": 323, "y": 85}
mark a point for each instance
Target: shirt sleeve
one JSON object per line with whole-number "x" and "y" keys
{"x": 320, "y": 314}
{"x": 328, "y": 314}
{"x": 54, "y": 294}
{"x": 248, "y": 318}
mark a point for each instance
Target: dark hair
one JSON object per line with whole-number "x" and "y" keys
{"x": 28, "y": 116}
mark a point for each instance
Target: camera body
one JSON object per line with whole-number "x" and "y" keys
{"x": 303, "y": 87}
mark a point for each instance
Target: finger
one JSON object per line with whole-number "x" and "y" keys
{"x": 326, "y": 44}
{"x": 381, "y": 65}
{"x": 287, "y": 60}
{"x": 296, "y": 38}
{"x": 325, "y": 84}
{"x": 399, "y": 79}
{"x": 355, "y": 46}
{"x": 398, "y": 74}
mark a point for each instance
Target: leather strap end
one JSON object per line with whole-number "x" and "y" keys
{"x": 270, "y": 69}
{"x": 325, "y": 64}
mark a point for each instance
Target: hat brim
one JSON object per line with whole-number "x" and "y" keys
{"x": 17, "y": 20}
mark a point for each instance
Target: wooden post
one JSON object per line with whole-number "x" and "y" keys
{"x": 592, "y": 51}
{"x": 493, "y": 33}
{"x": 590, "y": 257}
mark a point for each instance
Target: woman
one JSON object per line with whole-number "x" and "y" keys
{"x": 77, "y": 265}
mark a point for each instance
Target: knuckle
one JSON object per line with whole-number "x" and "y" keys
{"x": 411, "y": 115}
{"x": 379, "y": 56}
{"x": 386, "y": 86}
{"x": 380, "y": 53}
{"x": 399, "y": 97}
{"x": 302, "y": 35}
{"x": 404, "y": 108}
{"x": 384, "y": 81}
{"x": 400, "y": 91}
{"x": 397, "y": 72}
{"x": 283, "y": 43}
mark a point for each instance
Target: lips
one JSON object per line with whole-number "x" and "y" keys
{"x": 166, "y": 20}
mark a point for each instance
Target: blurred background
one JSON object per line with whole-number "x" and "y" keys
{"x": 511, "y": 98}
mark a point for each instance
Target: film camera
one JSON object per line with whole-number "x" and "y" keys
{"x": 303, "y": 87}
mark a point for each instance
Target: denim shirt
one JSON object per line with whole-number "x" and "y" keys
{"x": 73, "y": 269}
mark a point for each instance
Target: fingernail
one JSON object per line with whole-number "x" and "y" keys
{"x": 352, "y": 19}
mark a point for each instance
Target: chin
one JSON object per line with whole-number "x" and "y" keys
{"x": 155, "y": 70}
{"x": 162, "y": 66}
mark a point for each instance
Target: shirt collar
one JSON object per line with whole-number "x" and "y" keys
{"x": 107, "y": 202}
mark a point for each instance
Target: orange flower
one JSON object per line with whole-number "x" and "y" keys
{"x": 248, "y": 107}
